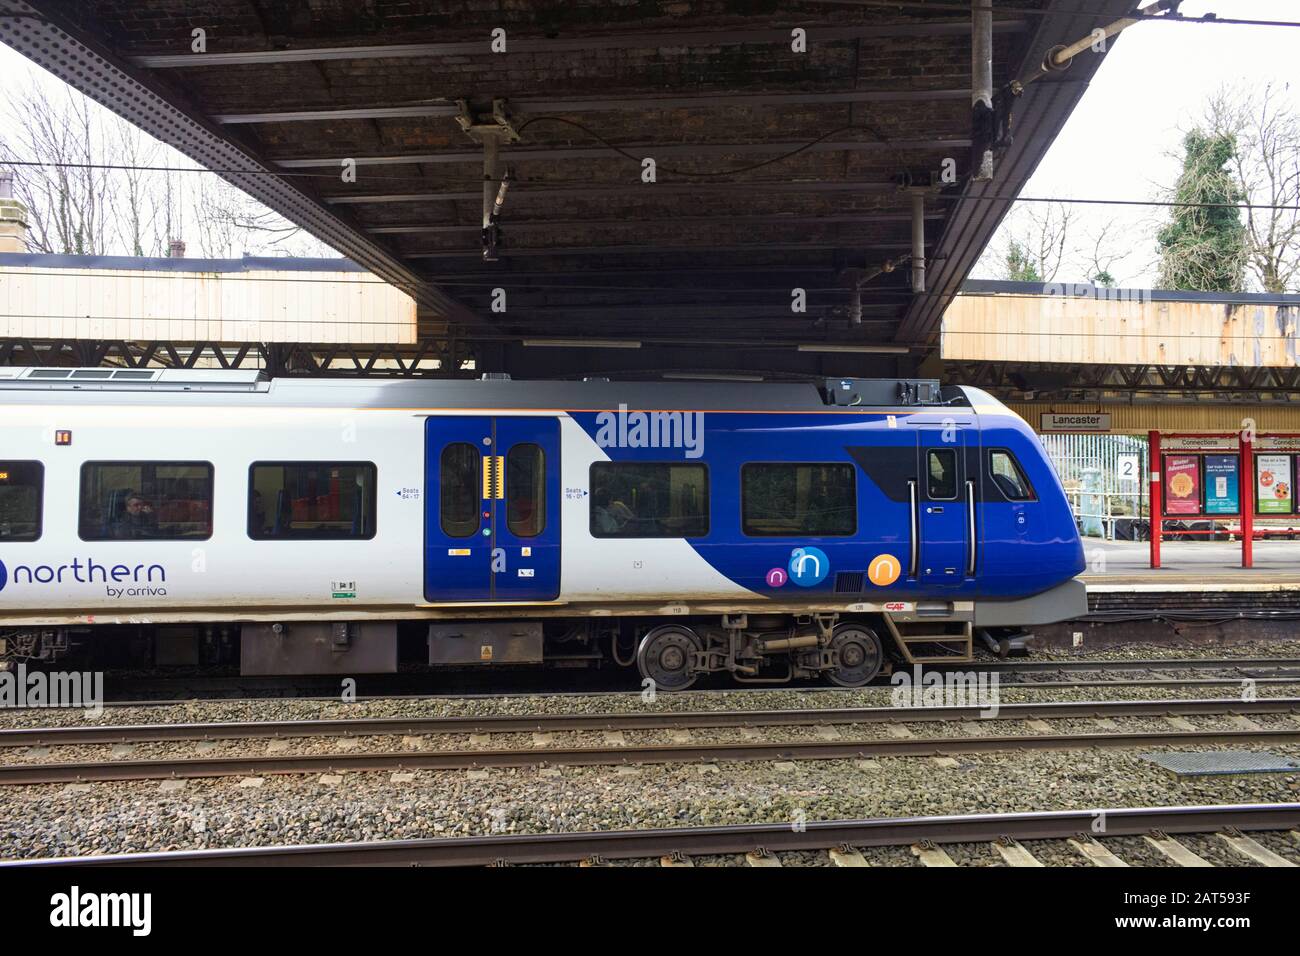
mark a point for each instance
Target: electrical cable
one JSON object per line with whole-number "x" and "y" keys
{"x": 539, "y": 186}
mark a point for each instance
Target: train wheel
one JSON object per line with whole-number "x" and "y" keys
{"x": 664, "y": 656}
{"x": 860, "y": 655}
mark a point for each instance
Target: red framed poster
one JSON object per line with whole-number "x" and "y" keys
{"x": 1182, "y": 484}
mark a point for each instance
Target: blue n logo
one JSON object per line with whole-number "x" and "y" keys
{"x": 809, "y": 566}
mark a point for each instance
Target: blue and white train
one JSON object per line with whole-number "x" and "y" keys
{"x": 310, "y": 526}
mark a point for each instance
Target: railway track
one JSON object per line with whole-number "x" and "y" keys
{"x": 1146, "y": 664}
{"x": 1264, "y": 670}
{"x": 623, "y": 754}
{"x": 760, "y": 843}
{"x": 543, "y": 723}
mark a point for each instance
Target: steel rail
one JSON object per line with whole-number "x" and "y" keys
{"x": 1145, "y": 664}
{"x": 716, "y": 840}
{"x": 503, "y": 724}
{"x": 1168, "y": 682}
{"x": 1001, "y": 667}
{"x": 187, "y": 768}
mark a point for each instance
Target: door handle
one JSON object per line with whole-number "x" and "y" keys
{"x": 970, "y": 529}
{"x": 916, "y": 530}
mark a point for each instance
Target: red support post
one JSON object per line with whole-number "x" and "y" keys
{"x": 1247, "y": 495}
{"x": 1155, "y": 499}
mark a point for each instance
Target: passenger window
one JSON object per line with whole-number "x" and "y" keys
{"x": 798, "y": 500}
{"x": 525, "y": 490}
{"x": 460, "y": 496}
{"x": 317, "y": 500}
{"x": 636, "y": 500}
{"x": 1008, "y": 477}
{"x": 21, "y": 484}
{"x": 942, "y": 471}
{"x": 157, "y": 501}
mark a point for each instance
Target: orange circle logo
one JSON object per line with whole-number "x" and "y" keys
{"x": 884, "y": 570}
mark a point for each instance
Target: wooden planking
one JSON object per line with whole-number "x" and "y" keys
{"x": 1120, "y": 331}
{"x": 264, "y": 305}
{"x": 1190, "y": 417}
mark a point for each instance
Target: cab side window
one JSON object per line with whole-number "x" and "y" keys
{"x": 1007, "y": 476}
{"x": 941, "y": 468}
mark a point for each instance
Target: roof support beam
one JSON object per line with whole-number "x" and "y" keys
{"x": 541, "y": 224}
{"x": 846, "y": 245}
{"x": 536, "y": 106}
{"x": 622, "y": 41}
{"x": 548, "y": 154}
{"x": 540, "y": 189}
{"x": 615, "y": 310}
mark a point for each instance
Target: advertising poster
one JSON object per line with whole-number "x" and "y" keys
{"x": 1221, "y": 494}
{"x": 1273, "y": 484}
{"x": 1182, "y": 485}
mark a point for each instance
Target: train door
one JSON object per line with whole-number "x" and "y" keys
{"x": 944, "y": 519}
{"x": 492, "y": 509}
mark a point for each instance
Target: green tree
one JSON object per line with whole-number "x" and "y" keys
{"x": 1020, "y": 266}
{"x": 1203, "y": 248}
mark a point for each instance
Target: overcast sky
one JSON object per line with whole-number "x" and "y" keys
{"x": 1151, "y": 88}
{"x": 1118, "y": 143}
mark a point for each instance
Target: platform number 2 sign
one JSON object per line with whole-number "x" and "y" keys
{"x": 1128, "y": 468}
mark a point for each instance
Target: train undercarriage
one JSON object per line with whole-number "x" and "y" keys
{"x": 667, "y": 654}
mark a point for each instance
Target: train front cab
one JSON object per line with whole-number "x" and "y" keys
{"x": 1029, "y": 546}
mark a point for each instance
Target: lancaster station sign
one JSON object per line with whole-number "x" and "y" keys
{"x": 1074, "y": 422}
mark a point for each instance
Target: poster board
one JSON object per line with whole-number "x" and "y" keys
{"x": 1182, "y": 485}
{"x": 1222, "y": 484}
{"x": 1274, "y": 485}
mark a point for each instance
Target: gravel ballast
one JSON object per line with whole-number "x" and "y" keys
{"x": 142, "y": 815}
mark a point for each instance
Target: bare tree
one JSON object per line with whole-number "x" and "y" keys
{"x": 68, "y": 202}
{"x": 137, "y": 208}
{"x": 1037, "y": 242}
{"x": 1266, "y": 165}
{"x": 1106, "y": 250}
{"x": 150, "y": 195}
{"x": 229, "y": 223}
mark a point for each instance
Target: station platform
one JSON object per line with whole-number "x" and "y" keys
{"x": 1200, "y": 594}
{"x": 1191, "y": 566}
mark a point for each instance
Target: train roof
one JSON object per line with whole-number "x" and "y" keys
{"x": 245, "y": 386}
